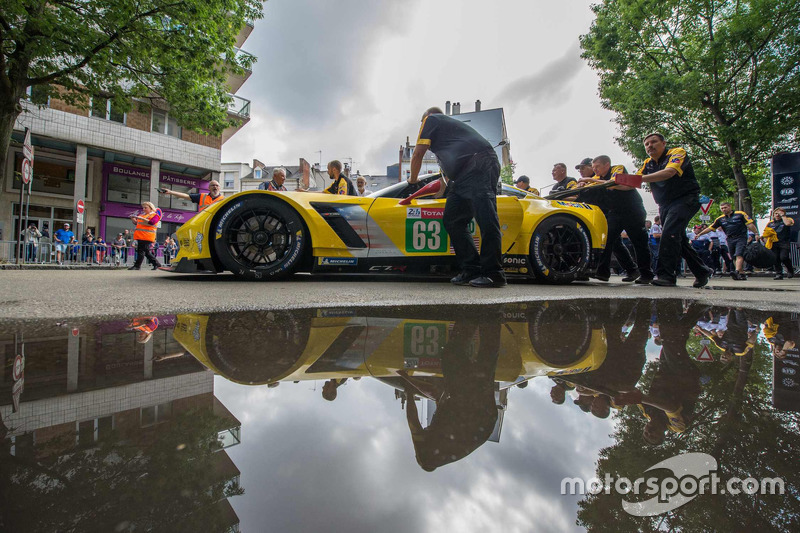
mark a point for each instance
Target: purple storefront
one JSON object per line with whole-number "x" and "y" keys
{"x": 125, "y": 187}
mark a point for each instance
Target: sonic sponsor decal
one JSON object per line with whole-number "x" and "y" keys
{"x": 338, "y": 261}
{"x": 515, "y": 264}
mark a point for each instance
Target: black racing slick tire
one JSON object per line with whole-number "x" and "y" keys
{"x": 560, "y": 250}
{"x": 258, "y": 237}
{"x": 560, "y": 333}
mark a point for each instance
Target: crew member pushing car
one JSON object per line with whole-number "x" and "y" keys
{"x": 625, "y": 213}
{"x": 471, "y": 164}
{"x": 676, "y": 191}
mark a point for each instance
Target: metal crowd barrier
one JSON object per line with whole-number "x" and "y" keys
{"x": 73, "y": 254}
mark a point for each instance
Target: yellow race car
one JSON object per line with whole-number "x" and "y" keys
{"x": 263, "y": 235}
{"x": 557, "y": 339}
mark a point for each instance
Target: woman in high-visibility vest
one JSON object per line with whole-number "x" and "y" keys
{"x": 145, "y": 234}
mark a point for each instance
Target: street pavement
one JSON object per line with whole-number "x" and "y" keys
{"x": 55, "y": 294}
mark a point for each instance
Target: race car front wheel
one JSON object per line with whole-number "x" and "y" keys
{"x": 560, "y": 250}
{"x": 259, "y": 237}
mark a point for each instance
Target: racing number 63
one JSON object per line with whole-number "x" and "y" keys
{"x": 426, "y": 236}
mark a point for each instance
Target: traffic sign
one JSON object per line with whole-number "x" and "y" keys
{"x": 81, "y": 207}
{"x": 27, "y": 171}
{"x": 705, "y": 206}
{"x": 16, "y": 392}
{"x": 27, "y": 147}
{"x": 19, "y": 367}
{"x": 705, "y": 218}
{"x": 75, "y": 332}
{"x": 705, "y": 356}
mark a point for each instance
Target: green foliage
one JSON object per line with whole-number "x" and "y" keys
{"x": 736, "y": 423}
{"x": 174, "y": 54}
{"x": 507, "y": 173}
{"x": 718, "y": 77}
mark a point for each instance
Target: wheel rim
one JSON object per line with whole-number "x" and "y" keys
{"x": 562, "y": 249}
{"x": 258, "y": 237}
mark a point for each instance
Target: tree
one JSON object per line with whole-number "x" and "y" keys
{"x": 719, "y": 77}
{"x": 507, "y": 173}
{"x": 175, "y": 53}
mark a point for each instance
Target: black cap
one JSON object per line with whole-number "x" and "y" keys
{"x": 587, "y": 161}
{"x": 523, "y": 179}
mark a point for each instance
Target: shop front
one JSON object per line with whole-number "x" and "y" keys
{"x": 125, "y": 187}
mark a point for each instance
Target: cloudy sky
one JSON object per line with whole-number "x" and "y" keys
{"x": 349, "y": 465}
{"x": 351, "y": 78}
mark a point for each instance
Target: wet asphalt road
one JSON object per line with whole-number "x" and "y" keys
{"x": 53, "y": 294}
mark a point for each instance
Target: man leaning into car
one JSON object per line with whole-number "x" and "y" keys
{"x": 471, "y": 164}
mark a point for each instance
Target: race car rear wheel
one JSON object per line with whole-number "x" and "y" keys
{"x": 560, "y": 250}
{"x": 560, "y": 333}
{"x": 259, "y": 237}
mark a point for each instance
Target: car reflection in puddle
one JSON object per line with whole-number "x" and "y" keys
{"x": 97, "y": 416}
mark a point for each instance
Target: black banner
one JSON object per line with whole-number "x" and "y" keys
{"x": 786, "y": 186}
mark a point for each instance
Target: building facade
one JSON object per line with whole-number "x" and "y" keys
{"x": 112, "y": 161}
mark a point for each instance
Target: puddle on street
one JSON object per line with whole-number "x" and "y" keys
{"x": 403, "y": 419}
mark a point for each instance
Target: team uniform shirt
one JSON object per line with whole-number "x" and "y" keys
{"x": 682, "y": 184}
{"x": 734, "y": 225}
{"x": 203, "y": 199}
{"x": 565, "y": 184}
{"x": 700, "y": 242}
{"x": 621, "y": 201}
{"x": 654, "y": 229}
{"x": 453, "y": 142}
{"x": 783, "y": 231}
{"x": 532, "y": 190}
{"x": 341, "y": 186}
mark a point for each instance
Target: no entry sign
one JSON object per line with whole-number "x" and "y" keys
{"x": 27, "y": 171}
{"x": 19, "y": 367}
{"x": 81, "y": 207}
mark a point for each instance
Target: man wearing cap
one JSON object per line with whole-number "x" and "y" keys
{"x": 677, "y": 193}
{"x": 62, "y": 238}
{"x": 524, "y": 183}
{"x": 625, "y": 213}
{"x": 471, "y": 164}
{"x": 563, "y": 182}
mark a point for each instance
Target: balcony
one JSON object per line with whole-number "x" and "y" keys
{"x": 235, "y": 81}
{"x": 244, "y": 33}
{"x": 239, "y": 106}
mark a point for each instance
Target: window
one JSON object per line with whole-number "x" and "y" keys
{"x": 228, "y": 179}
{"x": 156, "y": 414}
{"x": 127, "y": 189}
{"x": 104, "y": 108}
{"x": 39, "y": 95}
{"x": 257, "y": 173}
{"x": 163, "y": 123}
{"x": 54, "y": 176}
{"x": 173, "y": 202}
